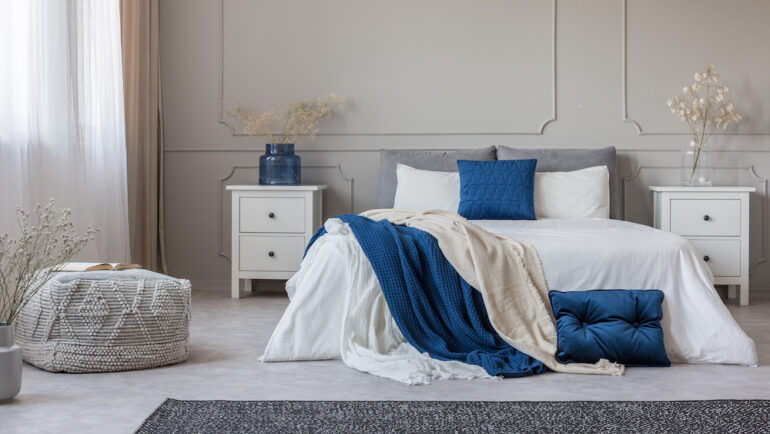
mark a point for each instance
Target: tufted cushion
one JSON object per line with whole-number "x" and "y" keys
{"x": 619, "y": 325}
{"x": 497, "y": 190}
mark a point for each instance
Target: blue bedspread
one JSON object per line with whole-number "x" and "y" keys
{"x": 436, "y": 310}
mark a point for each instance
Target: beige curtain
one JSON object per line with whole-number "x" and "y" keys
{"x": 144, "y": 132}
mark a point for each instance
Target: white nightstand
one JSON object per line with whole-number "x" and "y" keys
{"x": 271, "y": 226}
{"x": 716, "y": 221}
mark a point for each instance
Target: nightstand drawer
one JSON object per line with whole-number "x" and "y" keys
{"x": 272, "y": 214}
{"x": 709, "y": 217}
{"x": 266, "y": 253}
{"x": 724, "y": 256}
{"x": 716, "y": 221}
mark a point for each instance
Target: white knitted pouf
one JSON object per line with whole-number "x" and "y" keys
{"x": 106, "y": 321}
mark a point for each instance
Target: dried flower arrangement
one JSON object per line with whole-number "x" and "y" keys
{"x": 705, "y": 108}
{"x": 287, "y": 125}
{"x": 47, "y": 238}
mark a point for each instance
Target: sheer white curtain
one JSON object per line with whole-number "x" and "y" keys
{"x": 62, "y": 132}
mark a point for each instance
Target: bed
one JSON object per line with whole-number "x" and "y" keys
{"x": 337, "y": 309}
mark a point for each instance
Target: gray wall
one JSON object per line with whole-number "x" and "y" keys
{"x": 439, "y": 74}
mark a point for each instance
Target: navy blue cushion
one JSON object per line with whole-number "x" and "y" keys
{"x": 497, "y": 190}
{"x": 619, "y": 325}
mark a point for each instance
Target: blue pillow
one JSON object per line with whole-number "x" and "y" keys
{"x": 620, "y": 325}
{"x": 497, "y": 190}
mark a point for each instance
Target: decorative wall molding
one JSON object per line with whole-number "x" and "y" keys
{"x": 641, "y": 131}
{"x": 761, "y": 183}
{"x": 222, "y": 183}
{"x": 633, "y": 175}
{"x": 540, "y": 130}
{"x": 553, "y": 73}
{"x": 222, "y": 119}
{"x": 624, "y": 55}
{"x": 208, "y": 149}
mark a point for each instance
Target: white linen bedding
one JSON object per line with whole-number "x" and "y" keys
{"x": 612, "y": 254}
{"x": 337, "y": 308}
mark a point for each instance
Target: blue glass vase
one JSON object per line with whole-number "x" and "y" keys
{"x": 279, "y": 165}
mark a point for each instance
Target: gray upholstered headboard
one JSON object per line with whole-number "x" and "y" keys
{"x": 548, "y": 160}
{"x": 565, "y": 160}
{"x": 425, "y": 160}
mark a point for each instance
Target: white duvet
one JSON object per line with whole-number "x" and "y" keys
{"x": 337, "y": 309}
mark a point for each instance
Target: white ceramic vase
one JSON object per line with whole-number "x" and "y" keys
{"x": 10, "y": 364}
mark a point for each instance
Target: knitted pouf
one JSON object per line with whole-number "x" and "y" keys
{"x": 106, "y": 321}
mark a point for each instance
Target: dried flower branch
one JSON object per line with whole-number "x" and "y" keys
{"x": 705, "y": 108}
{"x": 47, "y": 238}
{"x": 278, "y": 125}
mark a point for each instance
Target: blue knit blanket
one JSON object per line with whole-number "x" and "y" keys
{"x": 437, "y": 311}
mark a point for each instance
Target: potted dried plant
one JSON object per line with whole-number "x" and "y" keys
{"x": 705, "y": 108}
{"x": 282, "y": 128}
{"x": 46, "y": 238}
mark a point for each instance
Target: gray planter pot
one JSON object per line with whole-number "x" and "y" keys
{"x": 10, "y": 364}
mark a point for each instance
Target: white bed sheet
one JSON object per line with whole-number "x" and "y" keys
{"x": 612, "y": 254}
{"x": 337, "y": 308}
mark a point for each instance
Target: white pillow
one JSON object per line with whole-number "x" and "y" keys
{"x": 426, "y": 190}
{"x": 578, "y": 194}
{"x": 583, "y": 193}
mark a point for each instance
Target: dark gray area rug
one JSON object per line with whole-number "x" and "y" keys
{"x": 459, "y": 416}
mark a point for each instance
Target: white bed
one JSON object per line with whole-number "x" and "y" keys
{"x": 337, "y": 308}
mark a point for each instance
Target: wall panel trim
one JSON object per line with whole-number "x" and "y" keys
{"x": 357, "y": 149}
{"x": 552, "y": 117}
{"x": 639, "y": 129}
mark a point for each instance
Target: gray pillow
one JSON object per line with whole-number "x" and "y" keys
{"x": 565, "y": 160}
{"x": 425, "y": 160}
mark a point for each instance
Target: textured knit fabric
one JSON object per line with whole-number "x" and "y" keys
{"x": 436, "y": 310}
{"x": 342, "y": 417}
{"x": 497, "y": 190}
{"x": 618, "y": 325}
{"x": 106, "y": 321}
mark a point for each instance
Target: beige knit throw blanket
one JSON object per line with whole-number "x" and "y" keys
{"x": 510, "y": 277}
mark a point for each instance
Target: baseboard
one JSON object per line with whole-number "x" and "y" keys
{"x": 211, "y": 285}
{"x": 223, "y": 286}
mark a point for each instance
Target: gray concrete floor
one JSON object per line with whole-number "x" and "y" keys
{"x": 228, "y": 335}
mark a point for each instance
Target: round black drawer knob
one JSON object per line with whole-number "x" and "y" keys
{"x": 272, "y": 254}
{"x": 706, "y": 217}
{"x": 271, "y": 215}
{"x": 706, "y": 258}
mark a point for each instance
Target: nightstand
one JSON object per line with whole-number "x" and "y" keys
{"x": 716, "y": 221}
{"x": 271, "y": 226}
